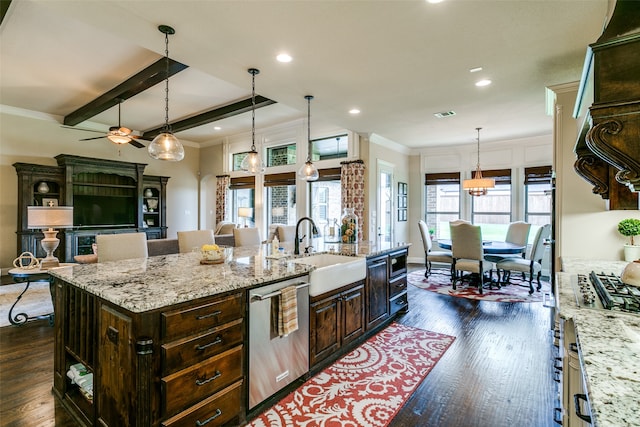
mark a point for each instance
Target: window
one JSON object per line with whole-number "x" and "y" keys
{"x": 442, "y": 201}
{"x": 281, "y": 155}
{"x": 326, "y": 198}
{"x": 493, "y": 211}
{"x": 280, "y": 197}
{"x": 242, "y": 194}
{"x": 537, "y": 187}
{"x": 237, "y": 160}
{"x": 333, "y": 147}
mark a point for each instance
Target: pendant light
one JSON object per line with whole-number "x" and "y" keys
{"x": 252, "y": 163}
{"x": 478, "y": 185}
{"x": 166, "y": 146}
{"x": 308, "y": 171}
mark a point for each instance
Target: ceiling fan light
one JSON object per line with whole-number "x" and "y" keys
{"x": 166, "y": 146}
{"x": 308, "y": 172}
{"x": 116, "y": 138}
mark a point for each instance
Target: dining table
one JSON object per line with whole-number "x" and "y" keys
{"x": 490, "y": 246}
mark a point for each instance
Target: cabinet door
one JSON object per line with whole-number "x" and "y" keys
{"x": 324, "y": 329}
{"x": 352, "y": 309}
{"x": 377, "y": 291}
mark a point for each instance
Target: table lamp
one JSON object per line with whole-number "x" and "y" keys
{"x": 245, "y": 213}
{"x": 47, "y": 218}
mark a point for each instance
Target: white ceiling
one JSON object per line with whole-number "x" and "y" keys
{"x": 398, "y": 61}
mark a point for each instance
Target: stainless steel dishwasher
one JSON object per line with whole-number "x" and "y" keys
{"x": 275, "y": 361}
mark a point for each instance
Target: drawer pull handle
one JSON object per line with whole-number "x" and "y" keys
{"x": 208, "y": 420}
{"x": 206, "y": 316}
{"x": 218, "y": 340}
{"x": 577, "y": 398}
{"x": 203, "y": 382}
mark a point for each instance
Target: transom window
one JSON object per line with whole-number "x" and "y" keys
{"x": 333, "y": 147}
{"x": 282, "y": 155}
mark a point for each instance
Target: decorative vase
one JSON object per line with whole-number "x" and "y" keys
{"x": 349, "y": 226}
{"x": 631, "y": 274}
{"x": 332, "y": 232}
{"x": 43, "y": 187}
{"x": 148, "y": 193}
{"x": 631, "y": 252}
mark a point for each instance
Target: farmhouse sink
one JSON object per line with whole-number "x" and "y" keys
{"x": 333, "y": 271}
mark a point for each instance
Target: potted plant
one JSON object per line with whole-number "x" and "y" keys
{"x": 630, "y": 227}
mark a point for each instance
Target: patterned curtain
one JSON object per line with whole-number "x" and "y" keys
{"x": 222, "y": 198}
{"x": 352, "y": 183}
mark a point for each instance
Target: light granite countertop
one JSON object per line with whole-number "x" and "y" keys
{"x": 144, "y": 284}
{"x": 609, "y": 348}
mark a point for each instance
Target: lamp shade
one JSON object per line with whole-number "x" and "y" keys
{"x": 245, "y": 212}
{"x": 166, "y": 146}
{"x": 49, "y": 217}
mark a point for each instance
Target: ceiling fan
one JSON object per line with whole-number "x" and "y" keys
{"x": 118, "y": 134}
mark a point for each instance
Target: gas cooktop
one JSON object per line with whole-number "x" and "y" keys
{"x": 606, "y": 292}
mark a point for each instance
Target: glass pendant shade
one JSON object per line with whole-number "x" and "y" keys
{"x": 166, "y": 146}
{"x": 252, "y": 163}
{"x": 478, "y": 185}
{"x": 308, "y": 172}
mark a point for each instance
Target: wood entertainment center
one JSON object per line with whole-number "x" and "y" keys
{"x": 108, "y": 196}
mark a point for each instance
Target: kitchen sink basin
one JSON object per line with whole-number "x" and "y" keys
{"x": 333, "y": 271}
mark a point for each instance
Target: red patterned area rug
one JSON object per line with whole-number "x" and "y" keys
{"x": 517, "y": 291}
{"x": 367, "y": 387}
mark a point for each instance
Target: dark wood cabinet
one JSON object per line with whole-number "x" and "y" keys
{"x": 377, "y": 291}
{"x": 108, "y": 197}
{"x": 336, "y": 319}
{"x": 181, "y": 365}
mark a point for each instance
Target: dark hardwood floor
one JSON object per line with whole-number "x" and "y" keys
{"x": 498, "y": 372}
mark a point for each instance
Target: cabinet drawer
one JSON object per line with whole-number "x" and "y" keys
{"x": 401, "y": 302}
{"x": 216, "y": 410}
{"x": 201, "y": 380}
{"x": 397, "y": 286}
{"x": 196, "y": 319}
{"x": 189, "y": 351}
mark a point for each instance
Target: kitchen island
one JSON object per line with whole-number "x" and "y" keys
{"x": 165, "y": 338}
{"x": 608, "y": 347}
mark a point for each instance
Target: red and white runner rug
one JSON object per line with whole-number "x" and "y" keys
{"x": 365, "y": 388}
{"x": 517, "y": 291}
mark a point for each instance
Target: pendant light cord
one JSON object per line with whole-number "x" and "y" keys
{"x": 309, "y": 98}
{"x": 478, "y": 139}
{"x": 167, "y": 127}
{"x": 253, "y": 108}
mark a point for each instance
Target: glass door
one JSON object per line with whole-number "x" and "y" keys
{"x": 385, "y": 202}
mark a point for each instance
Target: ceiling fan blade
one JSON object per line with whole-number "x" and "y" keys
{"x": 83, "y": 129}
{"x": 136, "y": 143}
{"x": 89, "y": 139}
{"x": 144, "y": 138}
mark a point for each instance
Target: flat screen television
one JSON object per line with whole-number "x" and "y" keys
{"x": 94, "y": 211}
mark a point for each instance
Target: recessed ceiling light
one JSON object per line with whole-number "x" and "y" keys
{"x": 354, "y": 111}
{"x": 434, "y": 1}
{"x": 475, "y": 70}
{"x": 217, "y": 128}
{"x": 284, "y": 57}
{"x": 484, "y": 82}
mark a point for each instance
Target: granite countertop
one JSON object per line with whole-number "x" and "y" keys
{"x": 140, "y": 285}
{"x": 609, "y": 348}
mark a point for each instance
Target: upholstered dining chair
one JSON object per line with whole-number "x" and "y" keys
{"x": 431, "y": 256}
{"x": 518, "y": 234}
{"x": 468, "y": 254}
{"x": 116, "y": 247}
{"x": 188, "y": 240}
{"x": 286, "y": 233}
{"x": 531, "y": 264}
{"x": 247, "y": 236}
{"x": 458, "y": 221}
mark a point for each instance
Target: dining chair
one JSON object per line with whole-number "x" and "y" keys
{"x": 189, "y": 240}
{"x": 286, "y": 233}
{"x": 431, "y": 256}
{"x": 116, "y": 247}
{"x": 468, "y": 254}
{"x": 530, "y": 265}
{"x": 518, "y": 234}
{"x": 458, "y": 221}
{"x": 247, "y": 236}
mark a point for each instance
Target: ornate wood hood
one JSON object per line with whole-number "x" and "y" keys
{"x": 608, "y": 146}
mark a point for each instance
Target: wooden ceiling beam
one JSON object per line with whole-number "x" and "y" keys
{"x": 143, "y": 80}
{"x": 210, "y": 116}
